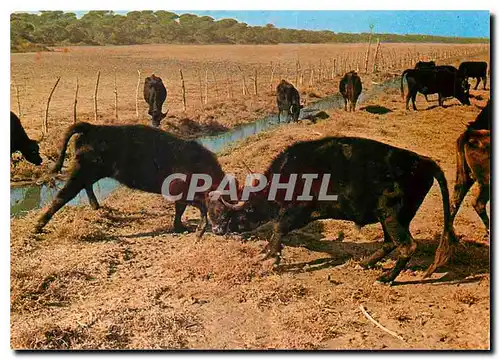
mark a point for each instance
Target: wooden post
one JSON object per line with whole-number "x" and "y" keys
{"x": 311, "y": 79}
{"x": 228, "y": 84}
{"x": 116, "y": 99}
{"x": 216, "y": 85}
{"x": 255, "y": 83}
{"x": 200, "y": 87}
{"x": 75, "y": 102}
{"x": 183, "y": 91}
{"x": 137, "y": 94}
{"x": 244, "y": 83}
{"x": 272, "y": 77}
{"x": 46, "y": 121}
{"x": 375, "y": 57}
{"x": 18, "y": 102}
{"x": 95, "y": 94}
{"x": 206, "y": 86}
{"x": 297, "y": 72}
{"x": 368, "y": 50}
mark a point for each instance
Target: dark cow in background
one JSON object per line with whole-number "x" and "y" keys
{"x": 374, "y": 182}
{"x": 474, "y": 69}
{"x": 473, "y": 165}
{"x": 288, "y": 100}
{"x": 155, "y": 94}
{"x": 350, "y": 87}
{"x": 137, "y": 156}
{"x": 19, "y": 141}
{"x": 425, "y": 65}
{"x": 442, "y": 80}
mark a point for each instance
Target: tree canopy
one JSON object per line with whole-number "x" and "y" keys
{"x": 58, "y": 28}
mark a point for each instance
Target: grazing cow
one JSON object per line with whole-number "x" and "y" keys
{"x": 155, "y": 95}
{"x": 288, "y": 100}
{"x": 374, "y": 182}
{"x": 473, "y": 165}
{"x": 19, "y": 141}
{"x": 138, "y": 156}
{"x": 441, "y": 80}
{"x": 425, "y": 65}
{"x": 350, "y": 87}
{"x": 474, "y": 69}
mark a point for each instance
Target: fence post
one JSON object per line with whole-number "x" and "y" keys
{"x": 375, "y": 57}
{"x": 46, "y": 121}
{"x": 75, "y": 102}
{"x": 18, "y": 102}
{"x": 255, "y": 83}
{"x": 116, "y": 99}
{"x": 206, "y": 86}
{"x": 137, "y": 94}
{"x": 200, "y": 87}
{"x": 183, "y": 91}
{"x": 95, "y": 94}
{"x": 272, "y": 77}
{"x": 216, "y": 85}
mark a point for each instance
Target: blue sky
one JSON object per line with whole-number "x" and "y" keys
{"x": 432, "y": 22}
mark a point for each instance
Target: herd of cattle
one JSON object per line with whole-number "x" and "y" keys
{"x": 375, "y": 182}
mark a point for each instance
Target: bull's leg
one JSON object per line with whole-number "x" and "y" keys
{"x": 478, "y": 79}
{"x": 179, "y": 210}
{"x": 289, "y": 219}
{"x": 479, "y": 204}
{"x": 94, "y": 204}
{"x": 72, "y": 187}
{"x": 345, "y": 104}
{"x": 484, "y": 82}
{"x": 440, "y": 99}
{"x": 463, "y": 183}
{"x": 406, "y": 245}
{"x": 378, "y": 255}
{"x": 202, "y": 225}
{"x": 353, "y": 104}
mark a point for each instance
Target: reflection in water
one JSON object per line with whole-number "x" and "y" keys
{"x": 26, "y": 198}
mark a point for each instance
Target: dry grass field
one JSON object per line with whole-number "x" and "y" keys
{"x": 117, "y": 278}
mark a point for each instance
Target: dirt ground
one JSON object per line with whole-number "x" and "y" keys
{"x": 117, "y": 278}
{"x": 34, "y": 74}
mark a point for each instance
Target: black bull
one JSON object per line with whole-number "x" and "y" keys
{"x": 138, "y": 156}
{"x": 374, "y": 182}
{"x": 438, "y": 80}
{"x": 155, "y": 95}
{"x": 19, "y": 141}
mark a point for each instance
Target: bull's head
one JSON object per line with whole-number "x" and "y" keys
{"x": 157, "y": 116}
{"x": 221, "y": 213}
{"x": 462, "y": 91}
{"x": 32, "y": 152}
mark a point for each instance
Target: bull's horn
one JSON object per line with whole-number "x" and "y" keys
{"x": 214, "y": 195}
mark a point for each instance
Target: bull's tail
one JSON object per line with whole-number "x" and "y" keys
{"x": 79, "y": 128}
{"x": 448, "y": 238}
{"x": 402, "y": 88}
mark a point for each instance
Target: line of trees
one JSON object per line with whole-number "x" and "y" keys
{"x": 58, "y": 28}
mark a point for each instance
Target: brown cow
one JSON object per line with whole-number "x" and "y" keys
{"x": 350, "y": 87}
{"x": 473, "y": 165}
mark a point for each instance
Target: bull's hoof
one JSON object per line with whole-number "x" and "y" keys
{"x": 378, "y": 282}
{"x": 385, "y": 279}
{"x": 179, "y": 229}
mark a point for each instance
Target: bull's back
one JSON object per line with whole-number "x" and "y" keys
{"x": 139, "y": 156}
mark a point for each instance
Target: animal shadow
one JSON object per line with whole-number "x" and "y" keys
{"x": 376, "y": 109}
